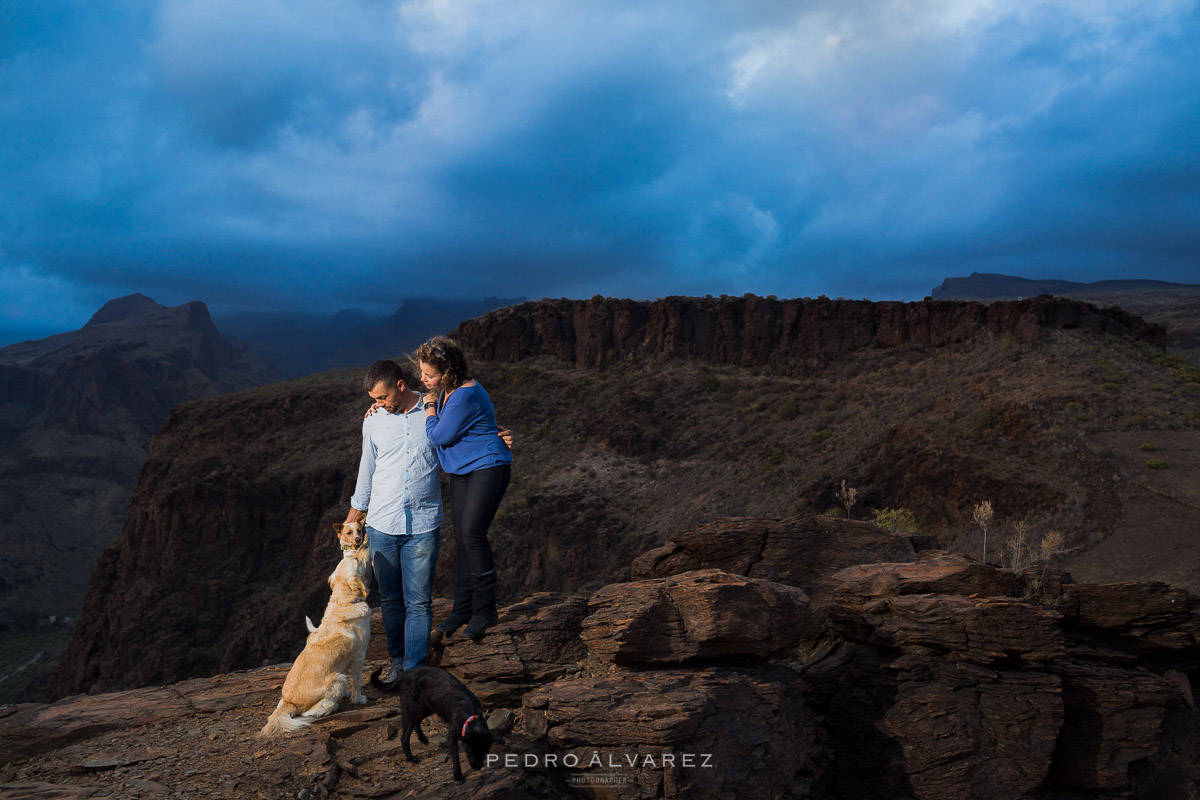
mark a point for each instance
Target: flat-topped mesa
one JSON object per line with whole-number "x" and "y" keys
{"x": 756, "y": 331}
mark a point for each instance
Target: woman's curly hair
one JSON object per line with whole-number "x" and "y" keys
{"x": 444, "y": 355}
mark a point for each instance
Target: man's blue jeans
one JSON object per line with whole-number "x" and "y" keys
{"x": 404, "y": 567}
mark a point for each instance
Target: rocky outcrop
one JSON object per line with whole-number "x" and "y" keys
{"x": 934, "y": 679}
{"x": 1020, "y": 681}
{"x": 786, "y": 335}
{"x": 536, "y": 642}
{"x": 702, "y": 733}
{"x": 698, "y": 615}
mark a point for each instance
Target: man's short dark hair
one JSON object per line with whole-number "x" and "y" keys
{"x": 388, "y": 372}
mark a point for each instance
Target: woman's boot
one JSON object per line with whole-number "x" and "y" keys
{"x": 483, "y": 606}
{"x": 461, "y": 613}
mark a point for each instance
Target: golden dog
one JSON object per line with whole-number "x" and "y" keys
{"x": 330, "y": 667}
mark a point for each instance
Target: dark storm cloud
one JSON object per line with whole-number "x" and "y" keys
{"x": 315, "y": 154}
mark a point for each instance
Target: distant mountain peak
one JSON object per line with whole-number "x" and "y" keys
{"x": 121, "y": 308}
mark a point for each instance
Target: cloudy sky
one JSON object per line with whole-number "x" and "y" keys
{"x": 322, "y": 154}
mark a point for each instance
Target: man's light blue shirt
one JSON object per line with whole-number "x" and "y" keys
{"x": 399, "y": 482}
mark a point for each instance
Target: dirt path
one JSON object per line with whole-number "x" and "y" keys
{"x": 1158, "y": 534}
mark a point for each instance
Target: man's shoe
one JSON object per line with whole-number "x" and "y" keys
{"x": 460, "y": 614}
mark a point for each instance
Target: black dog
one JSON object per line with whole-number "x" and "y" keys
{"x": 426, "y": 691}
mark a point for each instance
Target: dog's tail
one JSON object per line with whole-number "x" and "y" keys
{"x": 311, "y": 628}
{"x": 388, "y": 686}
{"x": 284, "y": 720}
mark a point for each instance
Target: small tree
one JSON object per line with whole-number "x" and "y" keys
{"x": 848, "y": 497}
{"x": 1017, "y": 550}
{"x": 982, "y": 514}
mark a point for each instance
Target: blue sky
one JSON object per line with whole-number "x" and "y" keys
{"x": 323, "y": 154}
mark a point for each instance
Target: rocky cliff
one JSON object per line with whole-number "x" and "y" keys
{"x": 227, "y": 540}
{"x": 77, "y": 411}
{"x": 785, "y": 335}
{"x": 777, "y": 658}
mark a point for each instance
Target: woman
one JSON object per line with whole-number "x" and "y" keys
{"x": 461, "y": 423}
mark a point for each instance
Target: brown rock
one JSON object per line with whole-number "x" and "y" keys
{"x": 1140, "y": 617}
{"x": 678, "y": 729}
{"x": 696, "y": 615}
{"x": 931, "y": 573}
{"x": 912, "y": 723}
{"x": 801, "y": 551}
{"x": 984, "y": 630}
{"x": 536, "y": 641}
{"x": 36, "y": 728}
{"x": 1112, "y": 717}
{"x": 38, "y": 790}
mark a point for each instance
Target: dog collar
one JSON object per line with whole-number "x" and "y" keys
{"x": 468, "y": 722}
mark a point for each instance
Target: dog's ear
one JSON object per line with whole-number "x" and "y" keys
{"x": 337, "y": 528}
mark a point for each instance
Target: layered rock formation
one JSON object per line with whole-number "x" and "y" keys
{"x": 77, "y": 411}
{"x": 923, "y": 678}
{"x": 785, "y": 335}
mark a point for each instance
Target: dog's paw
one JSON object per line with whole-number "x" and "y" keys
{"x": 361, "y": 700}
{"x": 411, "y": 759}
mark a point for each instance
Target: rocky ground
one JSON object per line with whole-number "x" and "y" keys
{"x": 795, "y": 658}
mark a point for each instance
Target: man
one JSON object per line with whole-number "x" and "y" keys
{"x": 399, "y": 483}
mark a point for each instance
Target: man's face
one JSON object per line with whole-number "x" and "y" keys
{"x": 389, "y": 396}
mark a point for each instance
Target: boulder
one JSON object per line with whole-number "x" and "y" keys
{"x": 696, "y": 615}
{"x": 668, "y": 733}
{"x": 933, "y": 572}
{"x": 536, "y": 642}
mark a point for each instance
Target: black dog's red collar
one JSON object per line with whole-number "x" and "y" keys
{"x": 468, "y": 722}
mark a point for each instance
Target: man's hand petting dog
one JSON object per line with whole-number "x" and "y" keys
{"x": 426, "y": 691}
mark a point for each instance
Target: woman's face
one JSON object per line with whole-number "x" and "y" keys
{"x": 431, "y": 377}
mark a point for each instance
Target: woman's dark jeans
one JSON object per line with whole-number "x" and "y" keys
{"x": 474, "y": 498}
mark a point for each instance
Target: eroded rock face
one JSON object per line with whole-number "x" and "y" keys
{"x": 536, "y": 642}
{"x": 697, "y": 615}
{"x": 702, "y": 733}
{"x": 1112, "y": 718}
{"x": 938, "y": 695}
{"x": 1147, "y": 618}
{"x": 1022, "y": 682}
{"x": 757, "y": 331}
